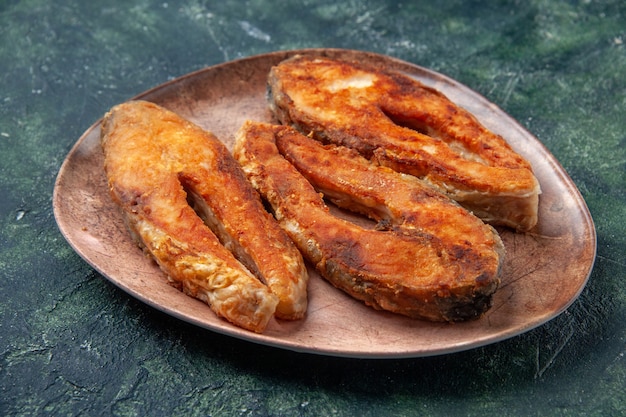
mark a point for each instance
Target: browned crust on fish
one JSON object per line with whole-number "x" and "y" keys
{"x": 157, "y": 164}
{"x": 397, "y": 121}
{"x": 415, "y": 265}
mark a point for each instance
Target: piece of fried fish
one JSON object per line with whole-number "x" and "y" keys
{"x": 429, "y": 258}
{"x": 173, "y": 180}
{"x": 400, "y": 123}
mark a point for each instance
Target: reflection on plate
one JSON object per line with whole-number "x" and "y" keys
{"x": 545, "y": 269}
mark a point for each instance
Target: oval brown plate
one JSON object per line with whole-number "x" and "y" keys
{"x": 544, "y": 272}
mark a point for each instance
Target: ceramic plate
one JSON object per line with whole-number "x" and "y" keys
{"x": 544, "y": 272}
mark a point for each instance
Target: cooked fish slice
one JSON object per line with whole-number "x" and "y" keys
{"x": 156, "y": 163}
{"x": 399, "y": 269}
{"x": 234, "y": 212}
{"x": 392, "y": 198}
{"x": 409, "y": 127}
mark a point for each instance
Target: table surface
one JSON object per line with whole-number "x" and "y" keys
{"x": 72, "y": 343}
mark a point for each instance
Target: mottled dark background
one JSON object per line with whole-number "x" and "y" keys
{"x": 73, "y": 344}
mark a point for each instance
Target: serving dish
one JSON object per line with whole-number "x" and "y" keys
{"x": 544, "y": 272}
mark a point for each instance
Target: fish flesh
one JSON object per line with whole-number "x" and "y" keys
{"x": 396, "y": 121}
{"x": 188, "y": 204}
{"x": 426, "y": 258}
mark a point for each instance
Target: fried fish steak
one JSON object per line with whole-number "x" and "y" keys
{"x": 399, "y": 122}
{"x": 392, "y": 199}
{"x": 172, "y": 181}
{"x": 425, "y": 271}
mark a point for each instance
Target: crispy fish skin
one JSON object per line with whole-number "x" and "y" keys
{"x": 400, "y": 269}
{"x": 399, "y": 122}
{"x": 157, "y": 162}
{"x": 391, "y": 198}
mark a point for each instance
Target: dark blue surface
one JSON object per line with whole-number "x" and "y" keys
{"x": 72, "y": 344}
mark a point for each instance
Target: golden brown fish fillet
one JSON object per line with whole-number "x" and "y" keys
{"x": 389, "y": 197}
{"x": 426, "y": 270}
{"x": 157, "y": 164}
{"x": 397, "y": 121}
